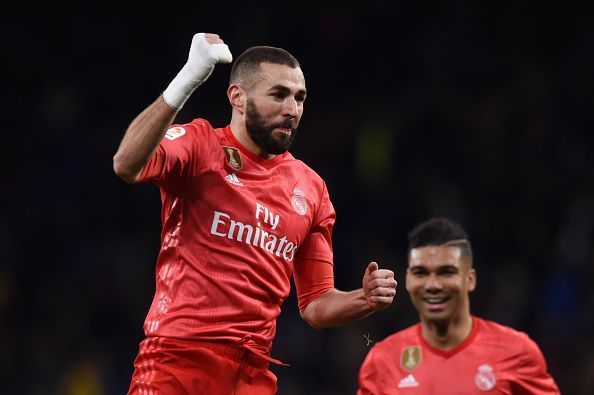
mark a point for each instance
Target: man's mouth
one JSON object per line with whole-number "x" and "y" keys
{"x": 435, "y": 303}
{"x": 286, "y": 131}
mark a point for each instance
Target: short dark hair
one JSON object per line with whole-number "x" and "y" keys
{"x": 248, "y": 63}
{"x": 439, "y": 232}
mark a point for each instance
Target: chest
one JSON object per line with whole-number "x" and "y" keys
{"x": 465, "y": 373}
{"x": 254, "y": 204}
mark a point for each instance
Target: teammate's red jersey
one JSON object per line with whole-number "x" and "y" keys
{"x": 494, "y": 359}
{"x": 235, "y": 228}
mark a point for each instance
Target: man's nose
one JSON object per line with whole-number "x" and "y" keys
{"x": 291, "y": 108}
{"x": 433, "y": 282}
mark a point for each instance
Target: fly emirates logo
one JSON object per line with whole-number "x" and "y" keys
{"x": 224, "y": 226}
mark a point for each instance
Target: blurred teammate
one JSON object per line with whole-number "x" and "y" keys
{"x": 451, "y": 352}
{"x": 240, "y": 216}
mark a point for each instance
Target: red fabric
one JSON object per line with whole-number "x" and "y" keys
{"x": 499, "y": 359}
{"x": 232, "y": 238}
{"x": 169, "y": 366}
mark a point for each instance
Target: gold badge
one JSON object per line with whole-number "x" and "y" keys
{"x": 411, "y": 358}
{"x": 233, "y": 156}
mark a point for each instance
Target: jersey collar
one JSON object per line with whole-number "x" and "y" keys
{"x": 267, "y": 163}
{"x": 455, "y": 350}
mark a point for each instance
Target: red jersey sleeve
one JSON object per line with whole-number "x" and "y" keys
{"x": 532, "y": 375}
{"x": 175, "y": 156}
{"x": 376, "y": 375}
{"x": 313, "y": 270}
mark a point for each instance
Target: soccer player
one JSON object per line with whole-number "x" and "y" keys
{"x": 240, "y": 216}
{"x": 451, "y": 352}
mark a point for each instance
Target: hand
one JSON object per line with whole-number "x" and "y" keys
{"x": 206, "y": 51}
{"x": 379, "y": 286}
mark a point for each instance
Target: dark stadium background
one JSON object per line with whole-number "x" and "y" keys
{"x": 478, "y": 112}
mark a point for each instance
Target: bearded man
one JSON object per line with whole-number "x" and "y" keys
{"x": 240, "y": 216}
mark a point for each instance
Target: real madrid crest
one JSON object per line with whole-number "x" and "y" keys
{"x": 485, "y": 378}
{"x": 298, "y": 201}
{"x": 410, "y": 358}
{"x": 233, "y": 156}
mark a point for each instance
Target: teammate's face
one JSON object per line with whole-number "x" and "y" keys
{"x": 438, "y": 280}
{"x": 274, "y": 107}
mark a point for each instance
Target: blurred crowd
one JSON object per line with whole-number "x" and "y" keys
{"x": 474, "y": 112}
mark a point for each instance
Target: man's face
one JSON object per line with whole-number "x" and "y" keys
{"x": 274, "y": 107}
{"x": 438, "y": 280}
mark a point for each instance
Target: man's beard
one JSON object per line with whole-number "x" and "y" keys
{"x": 261, "y": 132}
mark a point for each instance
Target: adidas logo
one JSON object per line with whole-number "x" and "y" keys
{"x": 408, "y": 381}
{"x": 232, "y": 178}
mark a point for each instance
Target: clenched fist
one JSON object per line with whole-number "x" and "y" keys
{"x": 379, "y": 286}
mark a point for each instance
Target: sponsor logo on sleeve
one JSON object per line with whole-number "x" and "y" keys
{"x": 233, "y": 156}
{"x": 410, "y": 358}
{"x": 175, "y": 132}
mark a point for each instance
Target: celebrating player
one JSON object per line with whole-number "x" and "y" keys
{"x": 451, "y": 352}
{"x": 240, "y": 216}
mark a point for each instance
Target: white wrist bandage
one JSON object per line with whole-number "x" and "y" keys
{"x": 201, "y": 62}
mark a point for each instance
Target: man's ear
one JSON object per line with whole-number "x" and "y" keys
{"x": 471, "y": 280}
{"x": 236, "y": 96}
{"x": 406, "y": 281}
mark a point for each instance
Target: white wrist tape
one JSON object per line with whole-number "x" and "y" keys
{"x": 201, "y": 62}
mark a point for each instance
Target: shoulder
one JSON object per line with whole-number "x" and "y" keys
{"x": 203, "y": 130}
{"x": 494, "y": 329}
{"x": 385, "y": 355}
{"x": 200, "y": 124}
{"x": 306, "y": 182}
{"x": 304, "y": 169}
{"x": 187, "y": 132}
{"x": 517, "y": 342}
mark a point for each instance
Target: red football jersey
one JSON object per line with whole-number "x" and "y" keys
{"x": 494, "y": 359}
{"x": 235, "y": 228}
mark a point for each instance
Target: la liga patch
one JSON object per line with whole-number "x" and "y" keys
{"x": 175, "y": 132}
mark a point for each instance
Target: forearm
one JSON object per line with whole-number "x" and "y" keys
{"x": 336, "y": 308}
{"x": 141, "y": 139}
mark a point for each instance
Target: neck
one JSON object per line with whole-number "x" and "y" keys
{"x": 445, "y": 335}
{"x": 239, "y": 130}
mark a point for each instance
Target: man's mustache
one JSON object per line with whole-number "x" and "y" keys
{"x": 286, "y": 124}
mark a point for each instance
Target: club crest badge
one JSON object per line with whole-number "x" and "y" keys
{"x": 485, "y": 378}
{"x": 410, "y": 358}
{"x": 175, "y": 132}
{"x": 233, "y": 156}
{"x": 298, "y": 201}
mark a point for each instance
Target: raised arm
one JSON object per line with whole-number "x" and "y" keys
{"x": 146, "y": 131}
{"x": 335, "y": 308}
